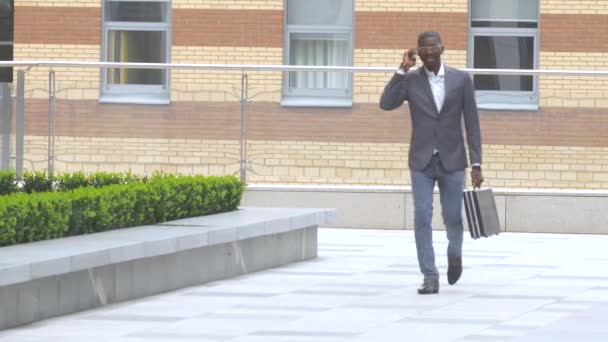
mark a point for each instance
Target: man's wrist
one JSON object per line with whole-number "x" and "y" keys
{"x": 476, "y": 166}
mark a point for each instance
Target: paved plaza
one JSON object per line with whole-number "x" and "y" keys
{"x": 515, "y": 287}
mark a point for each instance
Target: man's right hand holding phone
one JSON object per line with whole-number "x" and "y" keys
{"x": 409, "y": 60}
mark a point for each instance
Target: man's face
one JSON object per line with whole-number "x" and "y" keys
{"x": 430, "y": 52}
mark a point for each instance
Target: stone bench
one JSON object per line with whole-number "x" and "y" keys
{"x": 56, "y": 277}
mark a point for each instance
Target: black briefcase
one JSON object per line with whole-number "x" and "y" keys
{"x": 481, "y": 213}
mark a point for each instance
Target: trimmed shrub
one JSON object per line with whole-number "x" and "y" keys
{"x": 8, "y": 182}
{"x": 28, "y": 218}
{"x": 37, "y": 181}
{"x": 71, "y": 181}
{"x": 42, "y": 216}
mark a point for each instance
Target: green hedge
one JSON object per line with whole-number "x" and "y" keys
{"x": 42, "y": 216}
{"x": 8, "y": 182}
{"x": 38, "y": 181}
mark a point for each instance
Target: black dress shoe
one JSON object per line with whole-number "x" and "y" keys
{"x": 429, "y": 286}
{"x": 454, "y": 269}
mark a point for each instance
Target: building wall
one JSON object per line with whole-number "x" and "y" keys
{"x": 563, "y": 145}
{"x": 221, "y": 32}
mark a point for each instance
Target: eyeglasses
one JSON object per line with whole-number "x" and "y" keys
{"x": 429, "y": 49}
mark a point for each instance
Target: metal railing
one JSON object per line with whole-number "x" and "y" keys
{"x": 244, "y": 162}
{"x": 261, "y": 67}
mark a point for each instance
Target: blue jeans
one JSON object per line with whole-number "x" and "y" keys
{"x": 451, "y": 185}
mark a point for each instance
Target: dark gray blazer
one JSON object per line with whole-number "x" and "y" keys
{"x": 431, "y": 129}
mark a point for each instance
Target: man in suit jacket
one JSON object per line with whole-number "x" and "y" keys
{"x": 439, "y": 98}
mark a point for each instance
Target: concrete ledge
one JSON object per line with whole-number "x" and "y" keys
{"x": 49, "y": 278}
{"x": 391, "y": 207}
{"x": 359, "y": 207}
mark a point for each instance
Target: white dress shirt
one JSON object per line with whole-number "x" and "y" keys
{"x": 437, "y": 83}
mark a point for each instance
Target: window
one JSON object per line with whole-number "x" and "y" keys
{"x": 136, "y": 32}
{"x": 6, "y": 39}
{"x": 319, "y": 33}
{"x": 504, "y": 35}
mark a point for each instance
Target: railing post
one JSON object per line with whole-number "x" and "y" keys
{"x": 51, "y": 132}
{"x": 20, "y": 124}
{"x": 6, "y": 110}
{"x": 243, "y": 139}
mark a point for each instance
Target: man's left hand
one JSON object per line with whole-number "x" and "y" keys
{"x": 476, "y": 176}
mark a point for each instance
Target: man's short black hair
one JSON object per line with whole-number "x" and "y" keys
{"x": 428, "y": 34}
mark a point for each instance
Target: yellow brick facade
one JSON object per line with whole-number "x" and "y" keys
{"x": 360, "y": 5}
{"x": 386, "y": 164}
{"x": 222, "y": 85}
{"x": 573, "y": 91}
{"x": 547, "y": 6}
{"x": 230, "y": 4}
{"x": 71, "y": 82}
{"x": 59, "y": 3}
{"x": 307, "y": 162}
{"x": 266, "y": 85}
{"x": 461, "y": 6}
{"x": 203, "y": 4}
{"x": 141, "y": 156}
{"x": 574, "y": 6}
{"x": 412, "y": 6}
{"x": 80, "y": 83}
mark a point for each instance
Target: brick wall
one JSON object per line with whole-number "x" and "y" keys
{"x": 308, "y": 162}
{"x": 559, "y": 147}
{"x": 573, "y": 32}
{"x": 57, "y": 25}
{"x": 205, "y": 85}
{"x": 399, "y": 30}
{"x": 564, "y": 145}
{"x": 574, "y": 6}
{"x": 230, "y": 4}
{"x": 58, "y": 3}
{"x": 412, "y": 6}
{"x": 71, "y": 82}
{"x": 213, "y": 27}
{"x": 210, "y": 34}
{"x": 138, "y": 155}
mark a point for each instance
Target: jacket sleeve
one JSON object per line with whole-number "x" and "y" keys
{"x": 395, "y": 92}
{"x": 471, "y": 121}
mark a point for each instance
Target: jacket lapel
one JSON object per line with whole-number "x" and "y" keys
{"x": 429, "y": 93}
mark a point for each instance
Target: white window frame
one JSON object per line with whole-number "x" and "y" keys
{"x": 8, "y": 42}
{"x": 506, "y": 100}
{"x": 136, "y": 93}
{"x": 294, "y": 97}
